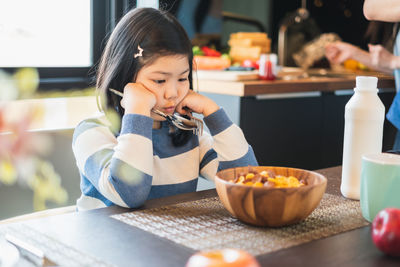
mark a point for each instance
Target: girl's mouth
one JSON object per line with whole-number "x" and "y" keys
{"x": 169, "y": 110}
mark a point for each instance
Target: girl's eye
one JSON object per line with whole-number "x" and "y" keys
{"x": 159, "y": 81}
{"x": 183, "y": 79}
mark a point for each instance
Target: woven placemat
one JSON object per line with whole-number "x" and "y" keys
{"x": 205, "y": 224}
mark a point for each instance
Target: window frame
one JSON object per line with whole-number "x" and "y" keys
{"x": 103, "y": 17}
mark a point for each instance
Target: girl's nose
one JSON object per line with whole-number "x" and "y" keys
{"x": 171, "y": 91}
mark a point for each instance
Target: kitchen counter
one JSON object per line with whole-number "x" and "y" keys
{"x": 312, "y": 83}
{"x": 296, "y": 122}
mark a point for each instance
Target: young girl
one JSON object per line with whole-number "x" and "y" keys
{"x": 149, "y": 57}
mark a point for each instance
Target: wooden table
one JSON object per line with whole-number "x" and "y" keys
{"x": 94, "y": 232}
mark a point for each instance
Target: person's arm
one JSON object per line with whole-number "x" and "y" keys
{"x": 120, "y": 168}
{"x": 383, "y": 59}
{"x": 383, "y": 10}
{"x": 225, "y": 148}
{"x": 378, "y": 58}
{"x": 338, "y": 52}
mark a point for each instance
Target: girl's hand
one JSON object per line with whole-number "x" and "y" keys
{"x": 197, "y": 103}
{"x": 138, "y": 99}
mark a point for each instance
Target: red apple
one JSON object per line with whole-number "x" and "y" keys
{"x": 248, "y": 63}
{"x": 386, "y": 231}
{"x": 222, "y": 258}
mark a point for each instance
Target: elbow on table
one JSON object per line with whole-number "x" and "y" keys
{"x": 134, "y": 200}
{"x": 137, "y": 198}
{"x": 128, "y": 185}
{"x": 137, "y": 203}
{"x": 133, "y": 193}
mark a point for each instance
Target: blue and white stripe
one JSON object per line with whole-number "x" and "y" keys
{"x": 142, "y": 163}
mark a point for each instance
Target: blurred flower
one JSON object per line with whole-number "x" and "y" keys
{"x": 8, "y": 172}
{"x": 27, "y": 80}
{"x": 7, "y": 89}
{"x": 114, "y": 119}
{"x": 21, "y": 150}
{"x": 47, "y": 186}
{"x": 112, "y": 116}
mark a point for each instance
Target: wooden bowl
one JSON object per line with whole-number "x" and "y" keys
{"x": 265, "y": 206}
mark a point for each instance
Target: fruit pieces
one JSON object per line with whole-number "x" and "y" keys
{"x": 354, "y": 65}
{"x": 249, "y": 63}
{"x": 205, "y": 51}
{"x": 197, "y": 51}
{"x": 350, "y": 64}
{"x": 222, "y": 258}
{"x": 211, "y": 63}
{"x": 267, "y": 180}
{"x": 207, "y": 58}
{"x": 210, "y": 52}
{"x": 386, "y": 231}
{"x": 282, "y": 181}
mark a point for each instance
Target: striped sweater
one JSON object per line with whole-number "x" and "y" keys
{"x": 142, "y": 163}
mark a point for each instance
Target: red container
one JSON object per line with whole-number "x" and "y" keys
{"x": 267, "y": 70}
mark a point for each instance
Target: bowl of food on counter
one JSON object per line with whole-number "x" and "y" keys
{"x": 270, "y": 196}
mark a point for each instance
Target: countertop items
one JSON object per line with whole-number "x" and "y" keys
{"x": 290, "y": 81}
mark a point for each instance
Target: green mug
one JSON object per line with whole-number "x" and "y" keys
{"x": 380, "y": 183}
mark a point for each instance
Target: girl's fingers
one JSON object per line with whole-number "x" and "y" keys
{"x": 184, "y": 104}
{"x": 137, "y": 98}
{"x": 180, "y": 108}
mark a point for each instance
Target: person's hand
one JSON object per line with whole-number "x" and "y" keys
{"x": 382, "y": 59}
{"x": 197, "y": 103}
{"x": 339, "y": 52}
{"x": 138, "y": 99}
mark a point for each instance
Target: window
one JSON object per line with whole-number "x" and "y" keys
{"x": 45, "y": 33}
{"x": 63, "y": 39}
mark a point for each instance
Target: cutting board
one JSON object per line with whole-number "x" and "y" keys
{"x": 226, "y": 75}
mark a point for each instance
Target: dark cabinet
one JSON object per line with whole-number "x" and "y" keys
{"x": 301, "y": 131}
{"x": 283, "y": 131}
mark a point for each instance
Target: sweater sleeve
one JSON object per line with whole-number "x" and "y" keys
{"x": 120, "y": 168}
{"x": 225, "y": 147}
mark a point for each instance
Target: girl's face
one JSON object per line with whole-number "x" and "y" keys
{"x": 168, "y": 79}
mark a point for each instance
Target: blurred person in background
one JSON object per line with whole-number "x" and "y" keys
{"x": 388, "y": 11}
{"x": 380, "y": 36}
{"x": 383, "y": 29}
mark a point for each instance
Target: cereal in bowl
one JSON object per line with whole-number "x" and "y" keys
{"x": 267, "y": 179}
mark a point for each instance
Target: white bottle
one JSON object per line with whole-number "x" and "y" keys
{"x": 363, "y": 132}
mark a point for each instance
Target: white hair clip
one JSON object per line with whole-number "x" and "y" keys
{"x": 140, "y": 52}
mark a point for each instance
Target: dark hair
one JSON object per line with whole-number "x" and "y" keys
{"x": 158, "y": 33}
{"x": 379, "y": 32}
